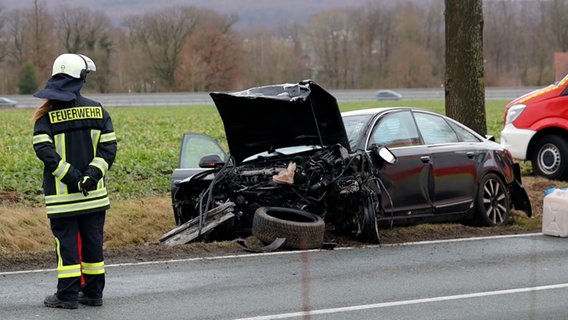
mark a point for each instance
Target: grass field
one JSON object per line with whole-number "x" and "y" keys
{"x": 138, "y": 182}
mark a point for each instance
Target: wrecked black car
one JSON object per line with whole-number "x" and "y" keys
{"x": 298, "y": 167}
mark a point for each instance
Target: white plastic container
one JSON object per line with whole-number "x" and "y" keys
{"x": 555, "y": 213}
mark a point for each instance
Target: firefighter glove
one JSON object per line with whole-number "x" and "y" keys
{"x": 87, "y": 184}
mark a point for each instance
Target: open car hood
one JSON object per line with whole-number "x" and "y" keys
{"x": 270, "y": 117}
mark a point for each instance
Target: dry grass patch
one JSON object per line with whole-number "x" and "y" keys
{"x": 131, "y": 222}
{"x": 136, "y": 222}
{"x": 141, "y": 222}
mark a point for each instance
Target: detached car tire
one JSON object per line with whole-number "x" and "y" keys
{"x": 302, "y": 230}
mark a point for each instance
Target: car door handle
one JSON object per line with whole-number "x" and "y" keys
{"x": 470, "y": 154}
{"x": 425, "y": 159}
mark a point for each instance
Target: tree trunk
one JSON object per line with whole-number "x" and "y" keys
{"x": 464, "y": 83}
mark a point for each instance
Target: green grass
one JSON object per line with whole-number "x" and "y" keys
{"x": 148, "y": 145}
{"x": 139, "y": 181}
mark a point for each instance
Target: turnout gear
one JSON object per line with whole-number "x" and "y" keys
{"x": 74, "y": 138}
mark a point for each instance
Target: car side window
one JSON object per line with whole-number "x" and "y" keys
{"x": 195, "y": 146}
{"x": 463, "y": 134}
{"x": 434, "y": 129}
{"x": 394, "y": 130}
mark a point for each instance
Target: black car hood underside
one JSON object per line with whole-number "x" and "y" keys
{"x": 263, "y": 119}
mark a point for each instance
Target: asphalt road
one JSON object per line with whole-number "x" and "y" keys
{"x": 203, "y": 98}
{"x": 519, "y": 277}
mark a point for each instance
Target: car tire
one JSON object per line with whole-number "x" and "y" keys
{"x": 367, "y": 222}
{"x": 302, "y": 229}
{"x": 550, "y": 158}
{"x": 493, "y": 203}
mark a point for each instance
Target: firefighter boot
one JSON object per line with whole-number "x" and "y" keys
{"x": 94, "y": 302}
{"x": 53, "y": 301}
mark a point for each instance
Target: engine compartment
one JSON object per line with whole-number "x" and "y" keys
{"x": 329, "y": 182}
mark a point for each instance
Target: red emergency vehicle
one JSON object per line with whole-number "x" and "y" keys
{"x": 536, "y": 130}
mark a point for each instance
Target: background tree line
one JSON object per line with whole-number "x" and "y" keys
{"x": 195, "y": 49}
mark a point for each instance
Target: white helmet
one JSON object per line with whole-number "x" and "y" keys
{"x": 74, "y": 65}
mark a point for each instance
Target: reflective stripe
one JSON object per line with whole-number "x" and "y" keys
{"x": 74, "y": 197}
{"x": 55, "y": 204}
{"x": 107, "y": 137}
{"x": 69, "y": 271}
{"x": 41, "y": 138}
{"x": 93, "y": 268}
{"x": 95, "y": 136}
{"x": 61, "y": 169}
{"x": 60, "y": 187}
{"x": 101, "y": 164}
{"x": 65, "y": 271}
{"x": 72, "y": 207}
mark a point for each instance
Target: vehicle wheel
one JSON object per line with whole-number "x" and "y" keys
{"x": 493, "y": 201}
{"x": 302, "y": 230}
{"x": 368, "y": 229}
{"x": 551, "y": 158}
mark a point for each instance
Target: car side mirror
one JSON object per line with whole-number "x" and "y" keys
{"x": 212, "y": 161}
{"x": 385, "y": 154}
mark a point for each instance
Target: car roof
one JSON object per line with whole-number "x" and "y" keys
{"x": 374, "y": 111}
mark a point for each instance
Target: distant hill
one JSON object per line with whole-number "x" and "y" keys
{"x": 251, "y": 12}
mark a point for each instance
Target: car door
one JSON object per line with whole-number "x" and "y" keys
{"x": 193, "y": 147}
{"x": 453, "y": 161}
{"x": 408, "y": 183}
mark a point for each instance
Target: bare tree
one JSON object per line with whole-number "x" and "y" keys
{"x": 558, "y": 22}
{"x": 27, "y": 40}
{"x": 3, "y": 35}
{"x": 501, "y": 31}
{"x": 42, "y": 46}
{"x": 212, "y": 55}
{"x": 434, "y": 39}
{"x": 411, "y": 62}
{"x": 330, "y": 38}
{"x": 161, "y": 36}
{"x": 410, "y": 66}
{"x": 80, "y": 28}
{"x": 274, "y": 57}
{"x": 374, "y": 41}
{"x": 380, "y": 44}
{"x": 464, "y": 83}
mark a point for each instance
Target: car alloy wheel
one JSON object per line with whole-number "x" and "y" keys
{"x": 493, "y": 201}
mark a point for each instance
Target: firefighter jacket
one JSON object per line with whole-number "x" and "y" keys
{"x": 74, "y": 139}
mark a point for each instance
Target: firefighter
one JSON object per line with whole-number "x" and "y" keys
{"x": 74, "y": 138}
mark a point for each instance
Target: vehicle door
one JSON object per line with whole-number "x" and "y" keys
{"x": 194, "y": 146}
{"x": 453, "y": 153}
{"x": 408, "y": 183}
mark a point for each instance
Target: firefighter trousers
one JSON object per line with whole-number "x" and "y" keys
{"x": 70, "y": 265}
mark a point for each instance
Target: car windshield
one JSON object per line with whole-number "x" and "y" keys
{"x": 354, "y": 126}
